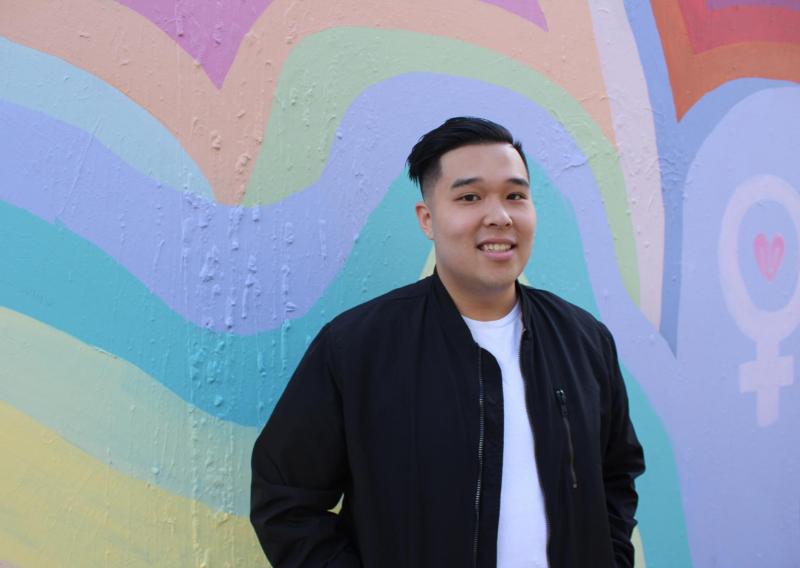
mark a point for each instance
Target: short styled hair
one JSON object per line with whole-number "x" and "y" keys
{"x": 424, "y": 167}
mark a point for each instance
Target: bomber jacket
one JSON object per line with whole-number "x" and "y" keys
{"x": 397, "y": 411}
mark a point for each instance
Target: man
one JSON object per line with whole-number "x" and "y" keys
{"x": 466, "y": 420}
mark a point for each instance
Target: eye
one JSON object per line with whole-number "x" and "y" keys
{"x": 470, "y": 197}
{"x": 517, "y": 196}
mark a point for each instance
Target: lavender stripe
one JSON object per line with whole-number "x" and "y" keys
{"x": 246, "y": 270}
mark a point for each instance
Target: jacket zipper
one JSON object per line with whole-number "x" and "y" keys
{"x": 480, "y": 461}
{"x": 562, "y": 400}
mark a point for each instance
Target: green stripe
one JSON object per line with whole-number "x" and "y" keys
{"x": 310, "y": 101}
{"x": 101, "y": 404}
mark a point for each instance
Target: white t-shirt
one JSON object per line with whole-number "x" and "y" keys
{"x": 522, "y": 531}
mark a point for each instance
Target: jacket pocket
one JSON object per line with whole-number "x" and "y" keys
{"x": 561, "y": 396}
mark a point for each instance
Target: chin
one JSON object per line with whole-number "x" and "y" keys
{"x": 496, "y": 285}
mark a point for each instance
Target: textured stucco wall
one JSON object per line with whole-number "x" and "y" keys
{"x": 190, "y": 189}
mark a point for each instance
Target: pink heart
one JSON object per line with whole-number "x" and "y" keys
{"x": 769, "y": 255}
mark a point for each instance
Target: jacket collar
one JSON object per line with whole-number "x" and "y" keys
{"x": 525, "y": 306}
{"x": 454, "y": 325}
{"x": 451, "y": 318}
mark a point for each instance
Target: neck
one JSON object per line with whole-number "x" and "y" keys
{"x": 484, "y": 306}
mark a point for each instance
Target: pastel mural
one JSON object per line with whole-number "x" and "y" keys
{"x": 191, "y": 189}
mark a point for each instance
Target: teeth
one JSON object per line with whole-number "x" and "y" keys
{"x": 496, "y": 247}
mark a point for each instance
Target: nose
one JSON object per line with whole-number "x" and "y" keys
{"x": 497, "y": 215}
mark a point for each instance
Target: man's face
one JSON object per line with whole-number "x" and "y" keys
{"x": 481, "y": 218}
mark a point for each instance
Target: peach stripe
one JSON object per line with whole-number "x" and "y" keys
{"x": 638, "y": 151}
{"x": 222, "y": 130}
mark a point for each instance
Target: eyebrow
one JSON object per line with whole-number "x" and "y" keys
{"x": 460, "y": 182}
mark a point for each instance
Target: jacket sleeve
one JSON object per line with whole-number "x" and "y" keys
{"x": 623, "y": 461}
{"x": 299, "y": 469}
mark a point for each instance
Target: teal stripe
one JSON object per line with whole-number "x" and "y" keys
{"x": 51, "y": 274}
{"x": 557, "y": 263}
{"x": 662, "y": 522}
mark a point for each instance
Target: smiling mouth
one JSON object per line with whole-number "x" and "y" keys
{"x": 496, "y": 247}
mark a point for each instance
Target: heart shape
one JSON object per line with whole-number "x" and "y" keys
{"x": 769, "y": 255}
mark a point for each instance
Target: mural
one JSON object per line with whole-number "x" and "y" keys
{"x": 190, "y": 190}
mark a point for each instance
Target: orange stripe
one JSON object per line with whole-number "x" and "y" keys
{"x": 693, "y": 75}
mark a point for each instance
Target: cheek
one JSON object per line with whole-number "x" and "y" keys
{"x": 454, "y": 244}
{"x": 528, "y": 223}
{"x": 532, "y": 229}
{"x": 456, "y": 227}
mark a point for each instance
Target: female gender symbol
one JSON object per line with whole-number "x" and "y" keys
{"x": 770, "y": 371}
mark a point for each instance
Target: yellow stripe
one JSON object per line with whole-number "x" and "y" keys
{"x": 638, "y": 549}
{"x": 119, "y": 414}
{"x": 61, "y": 507}
{"x": 430, "y": 262}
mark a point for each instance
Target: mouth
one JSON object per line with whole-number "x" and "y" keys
{"x": 496, "y": 247}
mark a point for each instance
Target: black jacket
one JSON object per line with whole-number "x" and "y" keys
{"x": 396, "y": 407}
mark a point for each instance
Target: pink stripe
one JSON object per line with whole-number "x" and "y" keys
{"x": 718, "y": 4}
{"x": 208, "y": 31}
{"x": 528, "y": 9}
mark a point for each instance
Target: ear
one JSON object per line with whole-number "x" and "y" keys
{"x": 424, "y": 219}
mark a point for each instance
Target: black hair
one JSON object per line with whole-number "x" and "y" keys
{"x": 424, "y": 167}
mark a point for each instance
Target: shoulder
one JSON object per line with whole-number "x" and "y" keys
{"x": 551, "y": 305}
{"x": 557, "y": 315}
{"x": 383, "y": 312}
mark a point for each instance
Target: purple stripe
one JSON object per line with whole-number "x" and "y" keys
{"x": 208, "y": 31}
{"x": 246, "y": 270}
{"x": 528, "y": 9}
{"x": 211, "y": 32}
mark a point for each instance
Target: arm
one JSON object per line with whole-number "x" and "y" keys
{"x": 623, "y": 461}
{"x": 300, "y": 469}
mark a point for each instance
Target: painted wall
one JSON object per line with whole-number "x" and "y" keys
{"x": 190, "y": 189}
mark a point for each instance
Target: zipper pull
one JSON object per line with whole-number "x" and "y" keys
{"x": 562, "y": 401}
